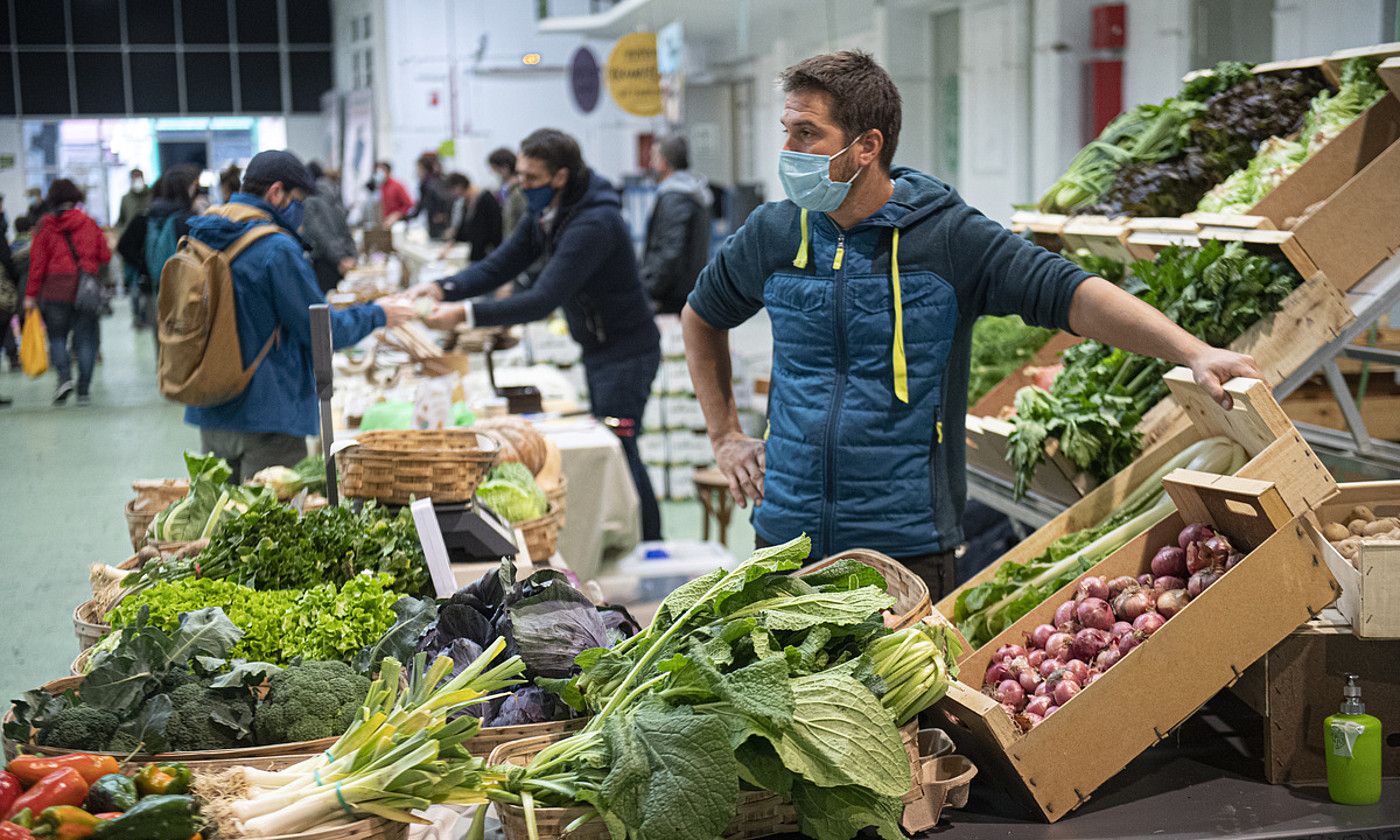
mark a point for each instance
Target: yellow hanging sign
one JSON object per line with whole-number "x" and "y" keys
{"x": 633, "y": 80}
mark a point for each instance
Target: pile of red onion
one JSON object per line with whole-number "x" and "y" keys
{"x": 1102, "y": 624}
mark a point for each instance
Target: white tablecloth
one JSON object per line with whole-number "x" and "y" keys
{"x": 603, "y": 508}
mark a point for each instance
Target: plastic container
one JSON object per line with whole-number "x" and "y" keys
{"x": 653, "y": 569}
{"x": 1353, "y": 741}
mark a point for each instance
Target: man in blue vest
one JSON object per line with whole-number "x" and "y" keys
{"x": 873, "y": 276}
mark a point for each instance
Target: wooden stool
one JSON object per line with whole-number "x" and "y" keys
{"x": 712, "y": 489}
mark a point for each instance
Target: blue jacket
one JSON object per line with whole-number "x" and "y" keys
{"x": 273, "y": 284}
{"x": 872, "y": 333}
{"x": 591, "y": 272}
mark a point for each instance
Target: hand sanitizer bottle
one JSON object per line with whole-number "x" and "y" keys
{"x": 1353, "y": 740}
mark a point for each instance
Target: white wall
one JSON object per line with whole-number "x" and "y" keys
{"x": 1306, "y": 27}
{"x": 306, "y": 136}
{"x": 1159, "y": 49}
{"x": 12, "y": 179}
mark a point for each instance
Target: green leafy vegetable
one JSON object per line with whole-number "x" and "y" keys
{"x": 1000, "y": 345}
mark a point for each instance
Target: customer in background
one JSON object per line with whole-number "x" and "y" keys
{"x": 508, "y": 194}
{"x": 133, "y": 205}
{"x": 153, "y": 237}
{"x": 10, "y": 297}
{"x": 394, "y": 201}
{"x": 678, "y": 233}
{"x": 229, "y": 181}
{"x": 576, "y": 223}
{"x": 269, "y": 422}
{"x": 476, "y": 218}
{"x": 135, "y": 202}
{"x": 68, "y": 241}
{"x": 19, "y": 255}
{"x": 434, "y": 200}
{"x": 325, "y": 231}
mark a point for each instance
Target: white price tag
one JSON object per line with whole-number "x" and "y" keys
{"x": 522, "y": 558}
{"x": 434, "y": 549}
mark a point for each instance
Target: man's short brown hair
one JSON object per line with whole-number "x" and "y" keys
{"x": 863, "y": 95}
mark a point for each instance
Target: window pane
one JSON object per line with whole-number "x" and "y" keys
{"x": 96, "y": 22}
{"x": 205, "y": 21}
{"x": 100, "y": 88}
{"x": 260, "y": 80}
{"x": 257, "y": 21}
{"x": 5, "y": 23}
{"x": 308, "y": 21}
{"x": 311, "y": 77}
{"x": 7, "y": 85}
{"x": 43, "y": 82}
{"x": 150, "y": 21}
{"x": 208, "y": 83}
{"x": 39, "y": 23}
{"x": 154, "y": 84}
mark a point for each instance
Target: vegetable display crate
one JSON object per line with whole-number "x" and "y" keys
{"x": 1299, "y": 683}
{"x": 152, "y": 497}
{"x": 367, "y": 829}
{"x": 911, "y": 597}
{"x": 398, "y": 466}
{"x": 1044, "y": 228}
{"x": 1370, "y": 585}
{"x": 1098, "y": 235}
{"x": 1277, "y": 453}
{"x": 1280, "y": 584}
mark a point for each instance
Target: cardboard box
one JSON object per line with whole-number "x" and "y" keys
{"x": 1299, "y": 683}
{"x": 1277, "y": 453}
{"x": 1370, "y": 586}
{"x": 1277, "y": 586}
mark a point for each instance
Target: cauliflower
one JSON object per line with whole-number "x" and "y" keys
{"x": 309, "y": 701}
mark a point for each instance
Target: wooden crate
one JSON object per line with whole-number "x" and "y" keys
{"x": 1044, "y": 228}
{"x": 1370, "y": 587}
{"x": 1098, "y": 235}
{"x": 1299, "y": 683}
{"x": 1280, "y": 584}
{"x": 1332, "y": 64}
{"x": 1277, "y": 453}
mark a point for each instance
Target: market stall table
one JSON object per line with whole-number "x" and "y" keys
{"x": 417, "y": 253}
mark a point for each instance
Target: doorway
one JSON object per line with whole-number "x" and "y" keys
{"x": 175, "y": 152}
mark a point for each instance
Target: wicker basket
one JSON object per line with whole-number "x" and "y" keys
{"x": 542, "y": 536}
{"x": 558, "y": 497}
{"x": 197, "y": 759}
{"x": 87, "y": 627}
{"x": 398, "y": 466}
{"x": 152, "y": 497}
{"x": 911, "y": 600}
{"x": 367, "y": 829}
{"x": 760, "y": 813}
{"x": 492, "y": 738}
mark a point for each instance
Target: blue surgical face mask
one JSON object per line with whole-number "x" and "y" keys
{"x": 292, "y": 215}
{"x": 538, "y": 198}
{"x": 807, "y": 180}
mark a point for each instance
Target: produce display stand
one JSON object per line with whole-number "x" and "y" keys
{"x": 1281, "y": 569}
{"x": 1277, "y": 453}
{"x": 1370, "y": 600}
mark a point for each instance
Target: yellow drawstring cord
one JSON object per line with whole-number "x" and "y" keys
{"x": 800, "y": 261}
{"x": 901, "y": 372}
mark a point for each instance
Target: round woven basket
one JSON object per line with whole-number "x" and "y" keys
{"x": 492, "y": 738}
{"x": 398, "y": 466}
{"x": 152, "y": 497}
{"x": 373, "y": 828}
{"x": 558, "y": 500}
{"x": 541, "y": 536}
{"x": 911, "y": 599}
{"x": 760, "y": 813}
{"x": 89, "y": 628}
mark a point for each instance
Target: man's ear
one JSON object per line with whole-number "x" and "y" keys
{"x": 560, "y": 179}
{"x": 870, "y": 145}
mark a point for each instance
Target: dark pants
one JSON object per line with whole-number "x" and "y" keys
{"x": 327, "y": 274}
{"x": 248, "y": 453}
{"x": 63, "y": 320}
{"x": 9, "y": 340}
{"x": 619, "y": 389}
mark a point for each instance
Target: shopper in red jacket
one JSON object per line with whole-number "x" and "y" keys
{"x": 394, "y": 200}
{"x": 53, "y": 285}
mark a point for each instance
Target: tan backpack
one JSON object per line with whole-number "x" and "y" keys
{"x": 201, "y": 361}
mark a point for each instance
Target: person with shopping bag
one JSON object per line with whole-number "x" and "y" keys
{"x": 67, "y": 260}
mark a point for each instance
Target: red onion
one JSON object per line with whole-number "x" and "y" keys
{"x": 1035, "y": 720}
{"x": 996, "y": 672}
{"x": 1171, "y": 602}
{"x": 1065, "y": 690}
{"x": 1017, "y": 664}
{"x": 1077, "y": 671}
{"x": 1145, "y": 579}
{"x": 1038, "y": 705}
{"x": 1048, "y": 667}
{"x": 1041, "y": 690}
{"x": 1058, "y": 644}
{"x": 1094, "y": 613}
{"x": 1009, "y": 652}
{"x": 1035, "y": 657}
{"x": 1052, "y": 710}
{"x": 1149, "y": 623}
{"x": 1106, "y": 659}
{"x": 1167, "y": 583}
{"x": 1198, "y": 532}
{"x": 1064, "y": 615}
{"x": 1233, "y": 560}
{"x": 1129, "y": 642}
{"x": 1120, "y": 583}
{"x": 1088, "y": 642}
{"x": 1169, "y": 560}
{"x": 1092, "y": 587}
{"x": 1093, "y": 678}
{"x": 1120, "y": 629}
{"x": 1029, "y": 680}
{"x": 1132, "y": 603}
{"x": 1010, "y": 693}
{"x": 1040, "y": 635}
{"x": 1207, "y": 553}
{"x": 1201, "y": 581}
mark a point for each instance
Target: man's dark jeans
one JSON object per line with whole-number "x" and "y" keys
{"x": 63, "y": 320}
{"x": 619, "y": 389}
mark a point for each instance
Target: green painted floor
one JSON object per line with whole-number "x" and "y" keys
{"x": 66, "y": 474}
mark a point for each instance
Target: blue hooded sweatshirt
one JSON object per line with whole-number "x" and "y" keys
{"x": 273, "y": 285}
{"x": 872, "y": 335}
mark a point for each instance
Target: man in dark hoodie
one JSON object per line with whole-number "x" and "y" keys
{"x": 575, "y": 221}
{"x": 873, "y": 276}
{"x": 273, "y": 283}
{"x": 678, "y": 232}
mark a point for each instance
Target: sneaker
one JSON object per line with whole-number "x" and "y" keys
{"x": 84, "y": 399}
{"x": 60, "y": 395}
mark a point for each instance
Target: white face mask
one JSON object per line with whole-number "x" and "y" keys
{"x": 138, "y": 184}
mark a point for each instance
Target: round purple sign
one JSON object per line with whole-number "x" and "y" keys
{"x": 584, "y": 80}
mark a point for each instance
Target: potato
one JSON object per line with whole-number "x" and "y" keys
{"x": 1380, "y": 526}
{"x": 1335, "y": 531}
{"x": 1363, "y": 512}
{"x": 1349, "y": 547}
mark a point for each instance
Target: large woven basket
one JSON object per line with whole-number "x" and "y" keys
{"x": 89, "y": 628}
{"x": 492, "y": 738}
{"x": 198, "y": 759}
{"x": 367, "y": 829}
{"x": 912, "y": 603}
{"x": 558, "y": 497}
{"x": 398, "y": 466}
{"x": 761, "y": 813}
{"x": 152, "y": 497}
{"x": 542, "y": 536}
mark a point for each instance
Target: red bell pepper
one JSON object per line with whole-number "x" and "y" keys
{"x": 32, "y": 768}
{"x": 10, "y": 831}
{"x": 61, "y": 787}
{"x": 10, "y": 790}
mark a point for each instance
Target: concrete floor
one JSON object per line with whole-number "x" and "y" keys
{"x": 65, "y": 475}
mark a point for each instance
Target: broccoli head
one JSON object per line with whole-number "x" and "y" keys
{"x": 309, "y": 701}
{"x": 80, "y": 728}
{"x": 173, "y": 679}
{"x": 202, "y": 719}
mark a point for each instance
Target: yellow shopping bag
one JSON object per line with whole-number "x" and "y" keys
{"x": 34, "y": 347}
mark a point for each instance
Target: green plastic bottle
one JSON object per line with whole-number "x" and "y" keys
{"x": 1353, "y": 740}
